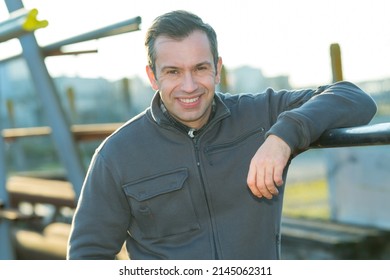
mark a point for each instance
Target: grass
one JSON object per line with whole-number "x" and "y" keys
{"x": 307, "y": 200}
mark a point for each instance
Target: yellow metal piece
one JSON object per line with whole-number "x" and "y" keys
{"x": 20, "y": 23}
{"x": 32, "y": 23}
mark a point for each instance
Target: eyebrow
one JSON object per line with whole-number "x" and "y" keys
{"x": 204, "y": 63}
{"x": 196, "y": 65}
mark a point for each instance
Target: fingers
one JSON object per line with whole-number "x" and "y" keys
{"x": 252, "y": 181}
{"x": 278, "y": 176}
{"x": 266, "y": 168}
{"x": 263, "y": 182}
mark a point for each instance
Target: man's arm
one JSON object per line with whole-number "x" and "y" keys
{"x": 339, "y": 105}
{"x": 101, "y": 218}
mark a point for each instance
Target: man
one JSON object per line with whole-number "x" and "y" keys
{"x": 200, "y": 174}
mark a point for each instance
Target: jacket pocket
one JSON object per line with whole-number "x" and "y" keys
{"x": 216, "y": 153}
{"x": 161, "y": 205}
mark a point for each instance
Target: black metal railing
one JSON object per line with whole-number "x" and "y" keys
{"x": 366, "y": 135}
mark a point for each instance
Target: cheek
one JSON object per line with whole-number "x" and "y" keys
{"x": 166, "y": 91}
{"x": 168, "y": 85}
{"x": 210, "y": 82}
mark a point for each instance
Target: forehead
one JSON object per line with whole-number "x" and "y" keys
{"x": 192, "y": 48}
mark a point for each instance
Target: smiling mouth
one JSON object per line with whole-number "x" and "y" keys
{"x": 189, "y": 100}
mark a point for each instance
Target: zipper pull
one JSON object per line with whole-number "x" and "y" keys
{"x": 191, "y": 132}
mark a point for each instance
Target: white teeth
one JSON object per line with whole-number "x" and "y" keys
{"x": 189, "y": 100}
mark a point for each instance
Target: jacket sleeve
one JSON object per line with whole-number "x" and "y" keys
{"x": 101, "y": 218}
{"x": 305, "y": 115}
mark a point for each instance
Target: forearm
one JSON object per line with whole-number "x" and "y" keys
{"x": 339, "y": 105}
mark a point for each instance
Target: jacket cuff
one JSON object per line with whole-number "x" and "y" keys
{"x": 290, "y": 131}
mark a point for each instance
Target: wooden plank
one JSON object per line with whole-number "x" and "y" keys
{"x": 15, "y": 215}
{"x": 94, "y": 131}
{"x": 11, "y": 134}
{"x": 80, "y": 131}
{"x": 36, "y": 190}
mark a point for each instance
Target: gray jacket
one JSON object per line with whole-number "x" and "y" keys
{"x": 170, "y": 196}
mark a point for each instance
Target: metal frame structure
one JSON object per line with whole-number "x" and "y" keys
{"x": 22, "y": 25}
{"x": 63, "y": 139}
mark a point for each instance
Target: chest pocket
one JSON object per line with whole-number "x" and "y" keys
{"x": 161, "y": 205}
{"x": 240, "y": 147}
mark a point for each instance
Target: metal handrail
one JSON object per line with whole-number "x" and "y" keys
{"x": 366, "y": 135}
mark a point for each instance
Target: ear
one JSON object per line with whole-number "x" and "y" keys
{"x": 219, "y": 69}
{"x": 152, "y": 78}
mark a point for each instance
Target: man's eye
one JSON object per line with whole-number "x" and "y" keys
{"x": 172, "y": 72}
{"x": 201, "y": 68}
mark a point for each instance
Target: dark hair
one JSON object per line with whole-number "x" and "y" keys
{"x": 178, "y": 25}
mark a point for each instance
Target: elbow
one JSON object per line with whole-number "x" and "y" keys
{"x": 369, "y": 108}
{"x": 365, "y": 103}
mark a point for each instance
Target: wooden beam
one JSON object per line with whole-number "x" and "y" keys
{"x": 80, "y": 132}
{"x": 94, "y": 131}
{"x": 37, "y": 190}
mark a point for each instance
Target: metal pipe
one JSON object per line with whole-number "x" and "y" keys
{"x": 366, "y": 135}
{"x": 126, "y": 26}
{"x": 6, "y": 249}
{"x": 129, "y": 25}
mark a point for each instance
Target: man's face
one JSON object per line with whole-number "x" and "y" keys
{"x": 186, "y": 77}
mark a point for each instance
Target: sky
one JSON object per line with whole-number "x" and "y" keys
{"x": 280, "y": 37}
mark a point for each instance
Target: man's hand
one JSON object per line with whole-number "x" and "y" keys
{"x": 266, "y": 167}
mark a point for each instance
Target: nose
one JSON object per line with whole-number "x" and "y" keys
{"x": 189, "y": 84}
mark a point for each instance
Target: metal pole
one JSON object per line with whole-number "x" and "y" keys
{"x": 366, "y": 135}
{"x": 122, "y": 27}
{"x": 3, "y": 169}
{"x": 129, "y": 25}
{"x": 61, "y": 133}
{"x": 6, "y": 249}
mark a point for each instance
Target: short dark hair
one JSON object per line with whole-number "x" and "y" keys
{"x": 178, "y": 25}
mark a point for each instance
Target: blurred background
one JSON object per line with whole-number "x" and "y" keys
{"x": 336, "y": 199}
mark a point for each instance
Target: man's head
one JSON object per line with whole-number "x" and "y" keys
{"x": 183, "y": 65}
{"x": 178, "y": 25}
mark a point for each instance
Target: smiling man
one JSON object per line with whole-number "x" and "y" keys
{"x": 200, "y": 174}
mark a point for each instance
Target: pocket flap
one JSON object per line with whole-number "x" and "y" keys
{"x": 155, "y": 185}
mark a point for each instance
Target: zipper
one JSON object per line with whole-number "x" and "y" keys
{"x": 278, "y": 246}
{"x": 195, "y": 141}
{"x": 195, "y": 136}
{"x": 191, "y": 133}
